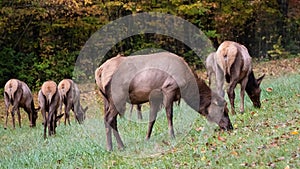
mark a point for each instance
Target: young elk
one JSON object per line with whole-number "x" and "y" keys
{"x": 70, "y": 97}
{"x": 18, "y": 94}
{"x": 232, "y": 63}
{"x": 49, "y": 101}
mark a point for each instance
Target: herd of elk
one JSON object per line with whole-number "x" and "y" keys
{"x": 160, "y": 79}
{"x": 50, "y": 98}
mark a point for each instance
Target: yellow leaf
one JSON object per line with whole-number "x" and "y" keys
{"x": 294, "y": 132}
{"x": 235, "y": 126}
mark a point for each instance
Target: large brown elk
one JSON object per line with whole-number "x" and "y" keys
{"x": 18, "y": 94}
{"x": 70, "y": 97}
{"x": 49, "y": 101}
{"x": 233, "y": 63}
{"x": 160, "y": 79}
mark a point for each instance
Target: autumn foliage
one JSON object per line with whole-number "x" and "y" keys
{"x": 41, "y": 40}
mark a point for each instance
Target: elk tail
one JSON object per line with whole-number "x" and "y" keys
{"x": 231, "y": 55}
{"x": 11, "y": 88}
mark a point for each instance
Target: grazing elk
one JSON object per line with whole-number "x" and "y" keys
{"x": 159, "y": 79}
{"x": 49, "y": 101}
{"x": 18, "y": 94}
{"x": 232, "y": 63}
{"x": 70, "y": 97}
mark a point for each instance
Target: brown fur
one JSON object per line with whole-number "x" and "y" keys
{"x": 104, "y": 75}
{"x": 49, "y": 88}
{"x": 160, "y": 79}
{"x": 11, "y": 87}
{"x": 233, "y": 63}
{"x": 64, "y": 86}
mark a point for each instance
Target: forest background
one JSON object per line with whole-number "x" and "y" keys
{"x": 41, "y": 39}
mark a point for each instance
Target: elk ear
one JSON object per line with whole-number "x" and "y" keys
{"x": 58, "y": 117}
{"x": 260, "y": 79}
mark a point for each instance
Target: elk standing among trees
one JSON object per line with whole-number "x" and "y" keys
{"x": 49, "y": 101}
{"x": 232, "y": 63}
{"x": 18, "y": 94}
{"x": 160, "y": 79}
{"x": 70, "y": 97}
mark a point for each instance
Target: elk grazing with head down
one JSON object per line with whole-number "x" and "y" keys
{"x": 18, "y": 94}
{"x": 232, "y": 63}
{"x": 49, "y": 101}
{"x": 70, "y": 97}
{"x": 159, "y": 79}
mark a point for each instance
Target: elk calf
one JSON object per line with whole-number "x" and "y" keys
{"x": 70, "y": 97}
{"x": 49, "y": 101}
{"x": 18, "y": 94}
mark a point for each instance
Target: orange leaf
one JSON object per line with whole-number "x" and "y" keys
{"x": 221, "y": 138}
{"x": 294, "y": 132}
{"x": 234, "y": 153}
{"x": 269, "y": 89}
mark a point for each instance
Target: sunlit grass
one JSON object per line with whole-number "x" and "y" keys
{"x": 263, "y": 138}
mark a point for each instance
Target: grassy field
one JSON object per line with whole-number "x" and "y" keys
{"x": 262, "y": 138}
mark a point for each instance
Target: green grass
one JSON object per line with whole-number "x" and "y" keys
{"x": 263, "y": 138}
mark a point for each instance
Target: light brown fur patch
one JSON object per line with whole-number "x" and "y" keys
{"x": 64, "y": 86}
{"x": 49, "y": 89}
{"x": 226, "y": 55}
{"x": 107, "y": 69}
{"x": 11, "y": 87}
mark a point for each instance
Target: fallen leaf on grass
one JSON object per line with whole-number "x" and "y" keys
{"x": 269, "y": 89}
{"x": 280, "y": 159}
{"x": 221, "y": 138}
{"x": 199, "y": 129}
{"x": 234, "y": 153}
{"x": 294, "y": 132}
{"x": 235, "y": 126}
